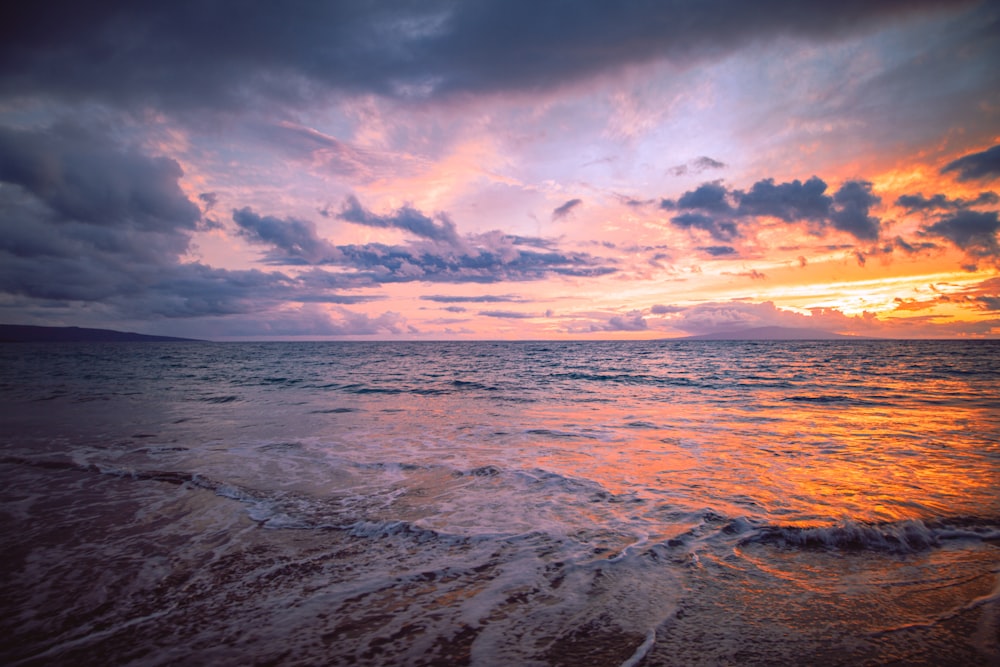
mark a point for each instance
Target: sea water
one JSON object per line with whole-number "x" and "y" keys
{"x": 546, "y": 503}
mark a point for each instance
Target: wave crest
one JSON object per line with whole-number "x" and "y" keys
{"x": 906, "y": 536}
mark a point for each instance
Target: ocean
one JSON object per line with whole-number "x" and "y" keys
{"x": 507, "y": 503}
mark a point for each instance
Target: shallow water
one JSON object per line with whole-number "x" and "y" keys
{"x": 610, "y": 503}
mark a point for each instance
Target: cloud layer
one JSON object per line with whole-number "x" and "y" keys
{"x": 510, "y": 168}
{"x": 188, "y": 54}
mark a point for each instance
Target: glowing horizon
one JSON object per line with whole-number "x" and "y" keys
{"x": 481, "y": 171}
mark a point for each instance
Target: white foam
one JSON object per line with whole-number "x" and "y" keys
{"x": 643, "y": 649}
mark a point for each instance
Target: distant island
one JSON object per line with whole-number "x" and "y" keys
{"x": 21, "y": 333}
{"x": 775, "y": 333}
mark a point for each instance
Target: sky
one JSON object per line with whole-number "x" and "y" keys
{"x": 501, "y": 169}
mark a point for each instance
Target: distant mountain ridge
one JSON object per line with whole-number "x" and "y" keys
{"x": 774, "y": 333}
{"x": 24, "y": 333}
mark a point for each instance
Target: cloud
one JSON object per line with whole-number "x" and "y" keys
{"x": 85, "y": 218}
{"x": 718, "y": 250}
{"x": 972, "y": 231}
{"x": 975, "y": 166}
{"x": 913, "y": 248}
{"x": 696, "y": 166}
{"x": 850, "y": 211}
{"x": 491, "y": 257}
{"x": 286, "y": 320}
{"x": 703, "y": 163}
{"x": 196, "y": 290}
{"x": 328, "y": 152}
{"x": 186, "y": 54}
{"x": 912, "y": 305}
{"x": 362, "y": 324}
{"x": 717, "y": 317}
{"x": 720, "y": 230}
{"x": 295, "y": 239}
{"x": 507, "y": 314}
{"x": 91, "y": 228}
{"x": 405, "y": 218}
{"x": 752, "y": 274}
{"x": 790, "y": 202}
{"x": 941, "y": 202}
{"x": 560, "y": 212}
{"x": 210, "y": 199}
{"x": 660, "y": 309}
{"x": 86, "y": 177}
{"x": 713, "y": 207}
{"x": 985, "y": 295}
{"x": 601, "y": 322}
{"x": 630, "y": 322}
{"x": 483, "y": 298}
{"x": 711, "y": 197}
{"x": 477, "y": 258}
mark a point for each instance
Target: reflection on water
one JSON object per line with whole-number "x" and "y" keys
{"x": 501, "y": 503}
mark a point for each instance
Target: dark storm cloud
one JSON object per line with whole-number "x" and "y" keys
{"x": 712, "y": 207}
{"x": 787, "y": 201}
{"x": 86, "y": 220}
{"x": 189, "y": 54}
{"x": 941, "y": 202}
{"x": 850, "y": 211}
{"x": 710, "y": 197}
{"x": 406, "y": 218}
{"x": 122, "y": 271}
{"x": 975, "y": 166}
{"x": 86, "y": 177}
{"x": 196, "y": 290}
{"x": 295, "y": 239}
{"x": 707, "y": 201}
{"x": 562, "y": 211}
{"x": 972, "y": 231}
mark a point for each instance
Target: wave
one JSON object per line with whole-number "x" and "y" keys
{"x": 708, "y": 527}
{"x": 474, "y": 386}
{"x": 220, "y": 399}
{"x": 351, "y": 513}
{"x": 560, "y": 435}
{"x": 628, "y": 379}
{"x": 377, "y": 510}
{"x": 906, "y": 536}
{"x": 829, "y": 399}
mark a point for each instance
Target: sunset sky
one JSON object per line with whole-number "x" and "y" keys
{"x": 501, "y": 169}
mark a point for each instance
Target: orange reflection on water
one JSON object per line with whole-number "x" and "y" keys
{"x": 792, "y": 462}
